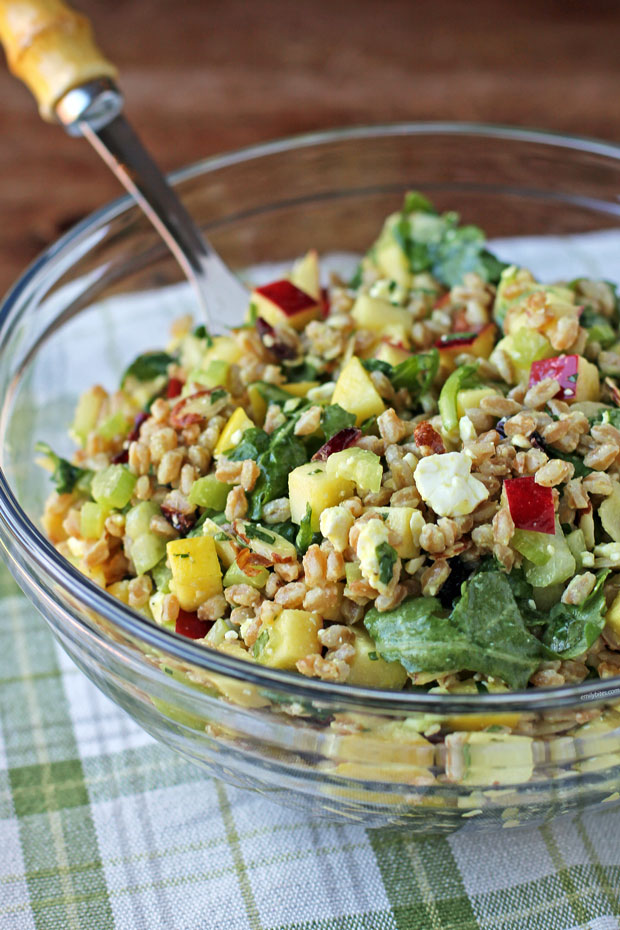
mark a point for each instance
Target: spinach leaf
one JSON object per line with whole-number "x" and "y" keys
{"x": 304, "y": 371}
{"x": 64, "y": 474}
{"x": 147, "y": 367}
{"x": 484, "y": 633}
{"x": 276, "y": 456}
{"x": 377, "y": 364}
{"x": 288, "y": 530}
{"x": 305, "y": 534}
{"x": 387, "y": 558}
{"x": 608, "y": 415}
{"x": 573, "y": 628}
{"x": 416, "y": 373}
{"x": 334, "y": 419}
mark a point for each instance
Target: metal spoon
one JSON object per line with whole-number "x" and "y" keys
{"x": 51, "y": 48}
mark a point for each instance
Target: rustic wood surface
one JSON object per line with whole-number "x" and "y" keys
{"x": 203, "y": 76}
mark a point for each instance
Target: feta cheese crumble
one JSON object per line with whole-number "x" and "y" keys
{"x": 445, "y": 483}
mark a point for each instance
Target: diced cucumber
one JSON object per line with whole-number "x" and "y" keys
{"x": 161, "y": 575}
{"x": 352, "y": 571}
{"x": 533, "y": 545}
{"x": 209, "y": 492}
{"x": 92, "y": 519}
{"x": 146, "y": 551}
{"x": 138, "y": 519}
{"x": 576, "y": 542}
{"x": 215, "y": 636}
{"x": 236, "y": 575}
{"x": 113, "y": 486}
{"x": 560, "y": 566}
{"x": 115, "y": 425}
{"x": 156, "y": 602}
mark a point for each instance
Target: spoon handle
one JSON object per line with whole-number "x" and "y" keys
{"x": 51, "y": 48}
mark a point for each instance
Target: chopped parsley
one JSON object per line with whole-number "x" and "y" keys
{"x": 387, "y": 558}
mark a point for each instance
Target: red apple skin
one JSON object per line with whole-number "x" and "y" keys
{"x": 531, "y": 505}
{"x": 287, "y": 297}
{"x": 188, "y": 624}
{"x": 563, "y": 369}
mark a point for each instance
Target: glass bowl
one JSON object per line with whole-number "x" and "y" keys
{"x": 109, "y": 290}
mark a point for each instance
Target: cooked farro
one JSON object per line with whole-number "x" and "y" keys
{"x": 417, "y": 475}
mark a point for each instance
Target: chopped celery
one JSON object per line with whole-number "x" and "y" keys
{"x": 115, "y": 425}
{"x": 461, "y": 379}
{"x": 214, "y": 374}
{"x": 146, "y": 551}
{"x": 138, "y": 519}
{"x": 209, "y": 492}
{"x": 560, "y": 566}
{"x": 358, "y": 465}
{"x": 87, "y": 414}
{"x": 236, "y": 575}
{"x": 161, "y": 575}
{"x": 92, "y": 519}
{"x": 533, "y": 545}
{"x": 113, "y": 486}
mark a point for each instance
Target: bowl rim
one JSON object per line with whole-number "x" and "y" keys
{"x": 21, "y": 529}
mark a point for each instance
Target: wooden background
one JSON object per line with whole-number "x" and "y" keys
{"x": 204, "y": 76}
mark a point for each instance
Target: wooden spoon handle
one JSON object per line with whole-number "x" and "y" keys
{"x": 51, "y": 48}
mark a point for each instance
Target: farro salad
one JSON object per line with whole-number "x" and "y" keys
{"x": 406, "y": 480}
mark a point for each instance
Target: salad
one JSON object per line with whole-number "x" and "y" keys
{"x": 407, "y": 480}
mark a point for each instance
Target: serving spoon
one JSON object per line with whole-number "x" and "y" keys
{"x": 51, "y": 48}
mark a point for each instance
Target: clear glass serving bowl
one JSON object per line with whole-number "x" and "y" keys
{"x": 79, "y": 314}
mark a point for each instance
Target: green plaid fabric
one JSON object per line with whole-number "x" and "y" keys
{"x": 100, "y": 827}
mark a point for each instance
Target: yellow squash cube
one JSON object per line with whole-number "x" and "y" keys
{"x": 356, "y": 393}
{"x": 196, "y": 572}
{"x": 233, "y": 431}
{"x": 369, "y": 670}
{"x": 408, "y": 524}
{"x": 290, "y": 637}
{"x": 310, "y": 484}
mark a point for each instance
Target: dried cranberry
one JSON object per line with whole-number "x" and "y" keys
{"x": 182, "y": 522}
{"x": 325, "y": 302}
{"x": 189, "y": 625}
{"x": 499, "y": 427}
{"x": 140, "y": 418}
{"x": 120, "y": 458}
{"x": 270, "y": 339}
{"x": 341, "y": 440}
{"x": 175, "y": 386}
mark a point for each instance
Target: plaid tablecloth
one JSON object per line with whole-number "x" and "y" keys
{"x": 100, "y": 827}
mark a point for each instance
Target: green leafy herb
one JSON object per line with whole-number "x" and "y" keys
{"x": 484, "y": 633}
{"x": 438, "y": 244}
{"x": 64, "y": 474}
{"x": 218, "y": 394}
{"x": 334, "y": 419}
{"x": 387, "y": 558}
{"x": 377, "y": 364}
{"x": 288, "y": 530}
{"x": 276, "y": 456}
{"x": 416, "y": 373}
{"x": 304, "y": 371}
{"x": 181, "y": 555}
{"x": 147, "y": 367}
{"x": 201, "y": 332}
{"x": 274, "y": 394}
{"x": 356, "y": 280}
{"x": 573, "y": 628}
{"x": 305, "y": 534}
{"x": 255, "y": 532}
{"x": 260, "y": 643}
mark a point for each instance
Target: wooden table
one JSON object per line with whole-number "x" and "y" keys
{"x": 203, "y": 76}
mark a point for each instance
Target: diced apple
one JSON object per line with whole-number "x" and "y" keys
{"x": 478, "y": 343}
{"x": 356, "y": 393}
{"x": 281, "y": 303}
{"x": 299, "y": 388}
{"x": 531, "y": 505}
{"x": 306, "y": 276}
{"x": 224, "y": 349}
{"x": 578, "y": 378}
{"x": 196, "y": 573}
{"x": 381, "y": 317}
{"x": 391, "y": 353}
{"x": 233, "y": 431}
{"x": 311, "y": 485}
{"x": 360, "y": 465}
{"x": 389, "y": 256}
{"x": 471, "y": 398}
{"x": 290, "y": 637}
{"x": 369, "y": 670}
